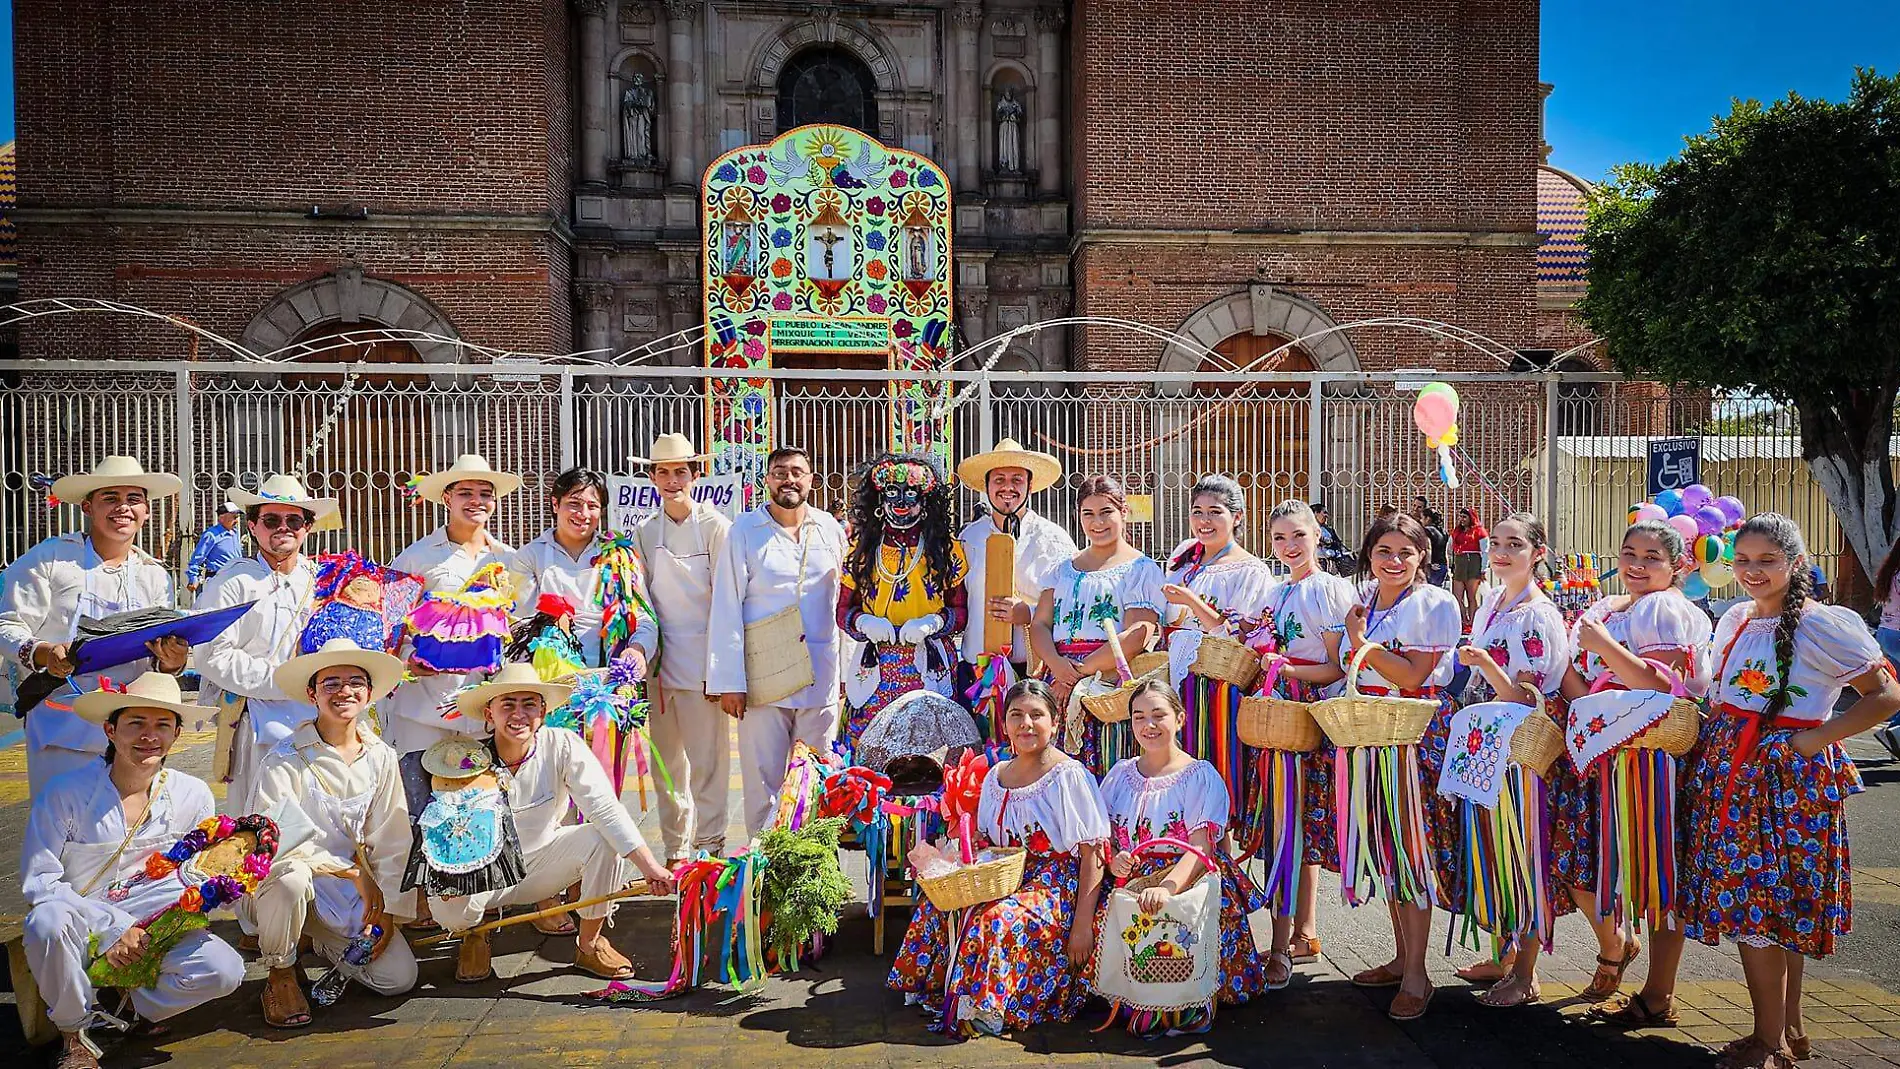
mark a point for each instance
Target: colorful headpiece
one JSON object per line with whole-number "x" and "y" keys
{"x": 905, "y": 472}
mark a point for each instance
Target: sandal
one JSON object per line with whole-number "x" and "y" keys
{"x": 1634, "y": 1012}
{"x": 76, "y": 1056}
{"x": 1526, "y": 993}
{"x": 473, "y": 962}
{"x": 1614, "y": 970}
{"x": 557, "y": 924}
{"x": 1382, "y": 976}
{"x": 1800, "y": 1048}
{"x": 1305, "y": 949}
{"x": 604, "y": 961}
{"x": 1749, "y": 1052}
{"x": 1279, "y": 970}
{"x": 284, "y": 1004}
{"x": 1487, "y": 972}
{"x": 1410, "y": 1007}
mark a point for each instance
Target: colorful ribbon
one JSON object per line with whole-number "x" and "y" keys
{"x": 1384, "y": 845}
{"x": 1636, "y": 842}
{"x": 1505, "y": 862}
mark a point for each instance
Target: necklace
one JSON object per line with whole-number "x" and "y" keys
{"x": 907, "y": 562}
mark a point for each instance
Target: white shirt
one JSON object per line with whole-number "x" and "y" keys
{"x": 76, "y": 827}
{"x": 45, "y": 593}
{"x": 1041, "y": 547}
{"x": 679, "y": 558}
{"x": 304, "y": 767}
{"x": 543, "y": 567}
{"x": 757, "y": 576}
{"x": 561, "y": 769}
{"x": 443, "y": 567}
{"x": 245, "y": 657}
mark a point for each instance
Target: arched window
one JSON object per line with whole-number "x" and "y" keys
{"x": 827, "y": 85}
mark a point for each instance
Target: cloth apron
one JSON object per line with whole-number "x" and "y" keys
{"x": 675, "y": 580}
{"x": 53, "y": 723}
{"x": 339, "y": 822}
{"x": 84, "y": 864}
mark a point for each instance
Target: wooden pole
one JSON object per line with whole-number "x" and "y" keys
{"x": 638, "y": 887}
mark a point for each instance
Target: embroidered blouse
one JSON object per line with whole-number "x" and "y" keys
{"x": 1054, "y": 815}
{"x": 1425, "y": 618}
{"x": 1831, "y": 647}
{"x": 1236, "y": 587}
{"x": 1306, "y": 611}
{"x": 1089, "y": 606}
{"x": 1662, "y": 622}
{"x": 1174, "y": 806}
{"x": 1529, "y": 637}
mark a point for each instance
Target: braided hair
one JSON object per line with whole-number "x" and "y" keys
{"x": 1786, "y": 535}
{"x": 1229, "y": 495}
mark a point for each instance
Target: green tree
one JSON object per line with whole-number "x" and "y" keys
{"x": 1766, "y": 257}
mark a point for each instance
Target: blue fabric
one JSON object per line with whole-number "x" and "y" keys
{"x": 108, "y": 651}
{"x": 217, "y": 547}
{"x": 1889, "y": 640}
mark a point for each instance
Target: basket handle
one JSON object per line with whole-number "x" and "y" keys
{"x": 1186, "y": 848}
{"x": 1121, "y": 657}
{"x": 1676, "y": 689}
{"x": 1275, "y": 662}
{"x": 1358, "y": 662}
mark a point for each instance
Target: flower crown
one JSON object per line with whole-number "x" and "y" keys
{"x": 899, "y": 474}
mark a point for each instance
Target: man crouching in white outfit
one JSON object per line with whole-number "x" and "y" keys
{"x": 346, "y": 779}
{"x": 542, "y": 770}
{"x": 89, "y": 833}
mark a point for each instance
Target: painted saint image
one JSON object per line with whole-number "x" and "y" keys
{"x": 828, "y": 254}
{"x": 741, "y": 250}
{"x": 917, "y": 258}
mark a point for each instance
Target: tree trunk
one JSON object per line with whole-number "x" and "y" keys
{"x": 1845, "y": 440}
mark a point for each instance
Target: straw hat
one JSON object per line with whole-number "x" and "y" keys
{"x": 513, "y": 678}
{"x": 671, "y": 449}
{"x": 461, "y": 758}
{"x": 1043, "y": 469}
{"x": 285, "y": 490}
{"x": 293, "y": 676}
{"x": 116, "y": 471}
{"x": 467, "y": 468}
{"x": 153, "y": 690}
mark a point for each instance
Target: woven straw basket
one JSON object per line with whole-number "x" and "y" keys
{"x": 973, "y": 885}
{"x": 1231, "y": 662}
{"x": 1676, "y": 732}
{"x": 1538, "y": 742}
{"x": 1269, "y": 723}
{"x": 1356, "y": 719}
{"x": 1109, "y": 702}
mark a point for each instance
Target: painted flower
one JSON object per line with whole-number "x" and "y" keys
{"x": 899, "y": 179}
{"x": 754, "y": 349}
{"x": 755, "y": 327}
{"x": 782, "y": 302}
{"x": 781, "y": 238}
{"x": 875, "y": 302}
{"x": 874, "y": 240}
{"x": 781, "y": 268}
{"x": 781, "y": 203}
{"x": 875, "y": 205}
{"x": 902, "y": 328}
{"x": 925, "y": 179}
{"x": 876, "y": 269}
{"x": 726, "y": 173}
{"x": 755, "y": 175}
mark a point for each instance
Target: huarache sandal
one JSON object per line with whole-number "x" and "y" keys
{"x": 604, "y": 961}
{"x": 472, "y": 961}
{"x": 284, "y": 1004}
{"x": 1487, "y": 972}
{"x": 557, "y": 924}
{"x": 1609, "y": 975}
{"x": 1382, "y": 976}
{"x": 1511, "y": 991}
{"x": 1799, "y": 1047}
{"x": 1279, "y": 970}
{"x": 1751, "y": 1053}
{"x": 1305, "y": 949}
{"x": 1635, "y": 1012}
{"x": 76, "y": 1056}
{"x": 1410, "y": 1007}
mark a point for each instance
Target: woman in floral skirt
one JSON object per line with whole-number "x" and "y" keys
{"x": 1166, "y": 793}
{"x": 1018, "y": 961}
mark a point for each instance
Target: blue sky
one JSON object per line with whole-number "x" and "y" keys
{"x": 1634, "y": 78}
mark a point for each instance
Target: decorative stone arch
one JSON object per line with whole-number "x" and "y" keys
{"x": 654, "y": 60}
{"x": 1024, "y": 75}
{"x": 1262, "y": 309}
{"x": 347, "y": 295}
{"x": 768, "y": 59}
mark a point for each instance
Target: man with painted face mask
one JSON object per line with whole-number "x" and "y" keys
{"x": 902, "y": 592}
{"x": 1006, "y": 476}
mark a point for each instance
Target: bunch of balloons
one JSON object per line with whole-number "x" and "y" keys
{"x": 1707, "y": 524}
{"x": 1435, "y": 413}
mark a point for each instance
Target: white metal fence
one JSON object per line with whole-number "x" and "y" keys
{"x": 1570, "y": 447}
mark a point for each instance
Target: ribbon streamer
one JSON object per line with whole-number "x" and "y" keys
{"x": 1210, "y": 734}
{"x": 1505, "y": 862}
{"x": 1274, "y": 829}
{"x": 1636, "y": 847}
{"x": 1384, "y": 847}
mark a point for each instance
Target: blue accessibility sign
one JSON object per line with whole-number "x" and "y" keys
{"x": 1674, "y": 463}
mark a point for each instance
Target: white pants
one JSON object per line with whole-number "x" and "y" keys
{"x": 694, "y": 740}
{"x": 407, "y": 735}
{"x": 577, "y": 851}
{"x": 766, "y": 736}
{"x": 256, "y": 738}
{"x": 45, "y": 762}
{"x": 282, "y": 908}
{"x": 200, "y": 968}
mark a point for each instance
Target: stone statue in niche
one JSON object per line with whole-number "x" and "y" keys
{"x": 1009, "y": 136}
{"x": 636, "y": 118}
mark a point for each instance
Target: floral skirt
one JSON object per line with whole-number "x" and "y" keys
{"x": 1573, "y": 823}
{"x": 1243, "y": 968}
{"x": 1010, "y": 963}
{"x": 897, "y": 676}
{"x": 1766, "y": 859}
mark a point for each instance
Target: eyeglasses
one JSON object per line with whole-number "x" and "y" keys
{"x": 331, "y": 686}
{"x": 274, "y": 520}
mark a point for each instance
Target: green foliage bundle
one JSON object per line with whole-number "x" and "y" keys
{"x": 805, "y": 889}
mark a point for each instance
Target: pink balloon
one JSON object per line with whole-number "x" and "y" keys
{"x": 1686, "y": 526}
{"x": 1695, "y": 496}
{"x": 1434, "y": 414}
{"x": 1709, "y": 520}
{"x": 1648, "y": 511}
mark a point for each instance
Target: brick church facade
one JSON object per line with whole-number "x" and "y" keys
{"x": 524, "y": 175}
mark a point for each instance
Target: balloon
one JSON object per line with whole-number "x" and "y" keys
{"x": 1671, "y": 502}
{"x": 1694, "y": 496}
{"x": 1644, "y": 510}
{"x": 1434, "y": 414}
{"x": 1716, "y": 573}
{"x": 1695, "y": 588}
{"x": 1728, "y": 549}
{"x": 1450, "y": 437}
{"x": 1684, "y": 526}
{"x": 1441, "y": 388}
{"x": 1709, "y": 519}
{"x": 1732, "y": 508}
{"x": 1708, "y": 549}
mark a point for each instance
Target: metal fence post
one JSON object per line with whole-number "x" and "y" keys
{"x": 986, "y": 415}
{"x": 187, "y": 459}
{"x": 1550, "y": 460}
{"x": 568, "y": 421}
{"x": 1315, "y": 437}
